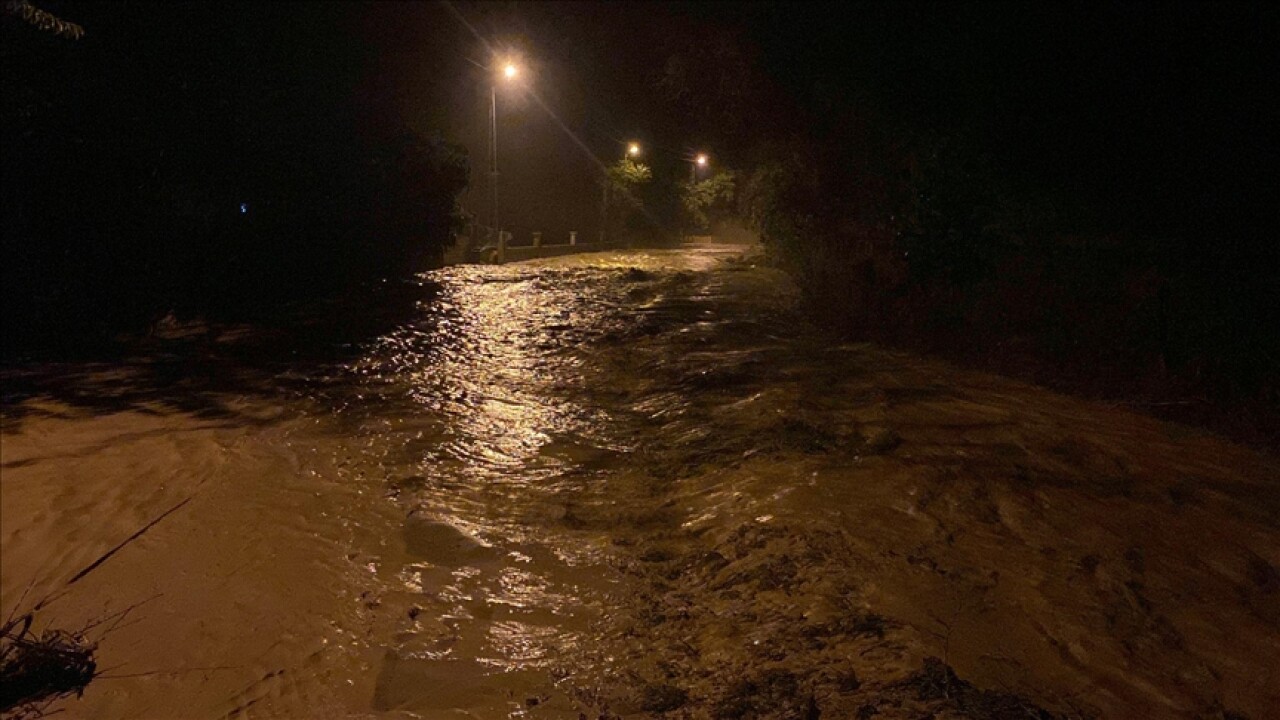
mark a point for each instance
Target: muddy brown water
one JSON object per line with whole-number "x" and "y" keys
{"x": 635, "y": 484}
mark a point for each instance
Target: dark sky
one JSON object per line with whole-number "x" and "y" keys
{"x": 1157, "y": 113}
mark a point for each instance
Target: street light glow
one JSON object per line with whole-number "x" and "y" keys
{"x": 702, "y": 159}
{"x": 633, "y": 149}
{"x": 509, "y": 72}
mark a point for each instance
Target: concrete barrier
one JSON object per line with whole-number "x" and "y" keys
{"x": 532, "y": 252}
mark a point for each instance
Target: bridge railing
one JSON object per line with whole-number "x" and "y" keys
{"x": 479, "y": 246}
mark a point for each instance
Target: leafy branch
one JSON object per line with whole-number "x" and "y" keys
{"x": 701, "y": 198}
{"x": 43, "y": 20}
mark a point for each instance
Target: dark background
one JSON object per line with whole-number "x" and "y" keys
{"x": 1092, "y": 184}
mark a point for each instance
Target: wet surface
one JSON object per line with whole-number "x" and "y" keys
{"x": 631, "y": 484}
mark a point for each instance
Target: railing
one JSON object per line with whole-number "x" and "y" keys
{"x": 480, "y": 247}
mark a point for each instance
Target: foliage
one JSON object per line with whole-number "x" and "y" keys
{"x": 627, "y": 179}
{"x": 413, "y": 185}
{"x": 914, "y": 201}
{"x": 36, "y": 669}
{"x": 710, "y": 81}
{"x": 627, "y": 175}
{"x": 43, "y": 20}
{"x": 713, "y": 195}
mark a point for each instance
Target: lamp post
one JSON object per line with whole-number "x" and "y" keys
{"x": 632, "y": 150}
{"x": 509, "y": 73}
{"x": 697, "y": 161}
{"x": 700, "y": 160}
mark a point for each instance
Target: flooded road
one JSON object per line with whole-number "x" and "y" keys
{"x": 637, "y": 484}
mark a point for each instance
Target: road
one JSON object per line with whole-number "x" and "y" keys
{"x": 632, "y": 484}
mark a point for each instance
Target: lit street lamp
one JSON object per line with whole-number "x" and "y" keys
{"x": 632, "y": 150}
{"x": 699, "y": 161}
{"x": 509, "y": 73}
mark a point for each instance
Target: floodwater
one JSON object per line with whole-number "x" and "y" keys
{"x": 634, "y": 484}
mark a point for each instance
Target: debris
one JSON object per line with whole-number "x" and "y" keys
{"x": 36, "y": 670}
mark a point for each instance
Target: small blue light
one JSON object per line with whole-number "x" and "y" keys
{"x": 244, "y": 208}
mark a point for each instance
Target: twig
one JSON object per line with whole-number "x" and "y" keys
{"x": 49, "y": 599}
{"x": 92, "y": 566}
{"x": 23, "y": 596}
{"x": 117, "y": 616}
{"x": 131, "y": 623}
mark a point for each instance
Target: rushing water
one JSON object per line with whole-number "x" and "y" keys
{"x": 634, "y": 483}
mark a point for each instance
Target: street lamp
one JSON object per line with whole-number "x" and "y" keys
{"x": 632, "y": 150}
{"x": 699, "y": 161}
{"x": 509, "y": 73}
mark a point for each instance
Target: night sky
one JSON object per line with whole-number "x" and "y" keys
{"x": 1115, "y": 120}
{"x": 1145, "y": 109}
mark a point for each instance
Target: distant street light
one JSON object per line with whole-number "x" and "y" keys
{"x": 632, "y": 150}
{"x": 699, "y": 161}
{"x": 509, "y": 73}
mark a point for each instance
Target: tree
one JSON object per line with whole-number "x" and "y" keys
{"x": 413, "y": 185}
{"x": 626, "y": 178}
{"x": 712, "y": 196}
{"x": 43, "y": 20}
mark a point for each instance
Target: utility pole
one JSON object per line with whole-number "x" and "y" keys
{"x": 509, "y": 73}
{"x": 493, "y": 172}
{"x": 699, "y": 160}
{"x": 631, "y": 150}
{"x": 604, "y": 207}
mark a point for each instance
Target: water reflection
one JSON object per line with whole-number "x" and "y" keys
{"x": 501, "y": 417}
{"x": 480, "y": 363}
{"x": 480, "y": 412}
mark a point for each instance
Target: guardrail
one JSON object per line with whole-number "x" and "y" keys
{"x": 531, "y": 252}
{"x": 466, "y": 252}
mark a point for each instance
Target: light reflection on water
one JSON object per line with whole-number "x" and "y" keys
{"x": 495, "y": 416}
{"x": 521, "y": 644}
{"x": 515, "y": 406}
{"x": 482, "y": 364}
